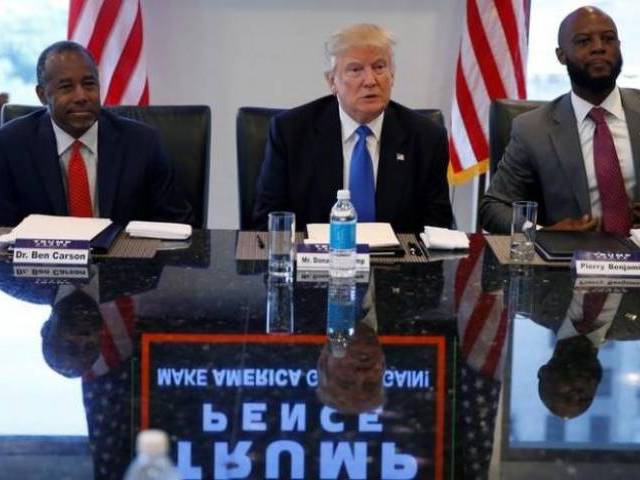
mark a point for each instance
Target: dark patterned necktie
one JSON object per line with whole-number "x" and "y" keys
{"x": 613, "y": 196}
{"x": 592, "y": 305}
{"x": 361, "y": 181}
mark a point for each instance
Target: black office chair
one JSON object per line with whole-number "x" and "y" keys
{"x": 185, "y": 132}
{"x": 501, "y": 115}
{"x": 432, "y": 113}
{"x": 252, "y": 126}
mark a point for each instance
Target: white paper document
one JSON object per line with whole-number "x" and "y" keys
{"x": 52, "y": 227}
{"x": 374, "y": 234}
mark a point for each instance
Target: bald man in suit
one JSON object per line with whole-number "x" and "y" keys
{"x": 550, "y": 157}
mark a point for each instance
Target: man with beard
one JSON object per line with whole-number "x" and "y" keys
{"x": 579, "y": 155}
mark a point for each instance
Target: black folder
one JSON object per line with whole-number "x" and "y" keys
{"x": 101, "y": 243}
{"x": 554, "y": 246}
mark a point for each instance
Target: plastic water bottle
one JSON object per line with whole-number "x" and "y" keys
{"x": 341, "y": 314}
{"x": 152, "y": 461}
{"x": 342, "y": 237}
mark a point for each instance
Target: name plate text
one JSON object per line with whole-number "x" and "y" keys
{"x": 51, "y": 252}
{"x": 315, "y": 256}
{"x": 607, "y": 264}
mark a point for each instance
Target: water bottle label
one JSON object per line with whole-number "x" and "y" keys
{"x": 342, "y": 236}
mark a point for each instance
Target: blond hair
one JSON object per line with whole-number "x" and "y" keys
{"x": 358, "y": 35}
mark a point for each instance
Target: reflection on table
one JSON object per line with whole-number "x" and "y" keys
{"x": 457, "y": 368}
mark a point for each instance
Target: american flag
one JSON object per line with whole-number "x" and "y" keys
{"x": 482, "y": 329}
{"x": 112, "y": 31}
{"x": 482, "y": 315}
{"x": 116, "y": 335}
{"x": 491, "y": 64}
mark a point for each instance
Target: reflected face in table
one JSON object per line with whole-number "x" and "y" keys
{"x": 353, "y": 383}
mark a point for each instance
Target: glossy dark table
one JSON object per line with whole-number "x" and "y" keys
{"x": 458, "y": 368}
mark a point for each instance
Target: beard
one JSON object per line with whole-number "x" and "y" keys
{"x": 581, "y": 77}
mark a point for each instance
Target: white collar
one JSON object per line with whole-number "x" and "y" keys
{"x": 349, "y": 125}
{"x": 612, "y": 104}
{"x": 63, "y": 140}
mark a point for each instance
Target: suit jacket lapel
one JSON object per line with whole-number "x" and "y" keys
{"x": 566, "y": 141}
{"x": 327, "y": 163}
{"x": 631, "y": 106}
{"x": 392, "y": 172}
{"x": 110, "y": 164}
{"x": 44, "y": 153}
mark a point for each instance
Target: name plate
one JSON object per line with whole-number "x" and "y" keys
{"x": 52, "y": 274}
{"x": 51, "y": 252}
{"x": 315, "y": 256}
{"x": 607, "y": 284}
{"x": 322, "y": 276}
{"x": 607, "y": 264}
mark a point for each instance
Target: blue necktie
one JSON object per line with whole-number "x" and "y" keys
{"x": 361, "y": 182}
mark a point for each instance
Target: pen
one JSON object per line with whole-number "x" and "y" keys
{"x": 415, "y": 249}
{"x": 423, "y": 248}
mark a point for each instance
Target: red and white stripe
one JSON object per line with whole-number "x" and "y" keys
{"x": 482, "y": 316}
{"x": 491, "y": 64}
{"x": 112, "y": 31}
{"x": 116, "y": 344}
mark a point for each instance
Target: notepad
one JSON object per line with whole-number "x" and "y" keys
{"x": 374, "y": 234}
{"x": 560, "y": 245}
{"x": 54, "y": 227}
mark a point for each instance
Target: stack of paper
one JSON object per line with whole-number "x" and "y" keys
{"x": 444, "y": 239}
{"x": 376, "y": 235}
{"x": 53, "y": 227}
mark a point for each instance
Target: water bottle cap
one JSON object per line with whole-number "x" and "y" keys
{"x": 152, "y": 442}
{"x": 344, "y": 194}
{"x": 338, "y": 343}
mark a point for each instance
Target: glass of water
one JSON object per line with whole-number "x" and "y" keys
{"x": 523, "y": 230}
{"x": 282, "y": 230}
{"x": 279, "y": 305}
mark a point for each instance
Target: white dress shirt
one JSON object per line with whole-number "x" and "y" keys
{"x": 602, "y": 323}
{"x": 89, "y": 151}
{"x": 350, "y": 137}
{"x": 617, "y": 123}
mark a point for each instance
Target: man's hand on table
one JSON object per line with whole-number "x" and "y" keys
{"x": 583, "y": 224}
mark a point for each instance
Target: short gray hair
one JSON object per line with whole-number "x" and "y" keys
{"x": 358, "y": 35}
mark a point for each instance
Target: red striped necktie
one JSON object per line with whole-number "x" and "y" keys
{"x": 615, "y": 202}
{"x": 79, "y": 197}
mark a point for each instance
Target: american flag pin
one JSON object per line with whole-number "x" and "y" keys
{"x": 400, "y": 157}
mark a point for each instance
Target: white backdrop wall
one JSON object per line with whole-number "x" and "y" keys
{"x": 269, "y": 53}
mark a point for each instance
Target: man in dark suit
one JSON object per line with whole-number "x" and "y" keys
{"x": 73, "y": 158}
{"x": 551, "y": 157}
{"x": 311, "y": 149}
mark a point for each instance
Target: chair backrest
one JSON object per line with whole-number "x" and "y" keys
{"x": 501, "y": 116}
{"x": 185, "y": 132}
{"x": 252, "y": 126}
{"x": 432, "y": 113}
